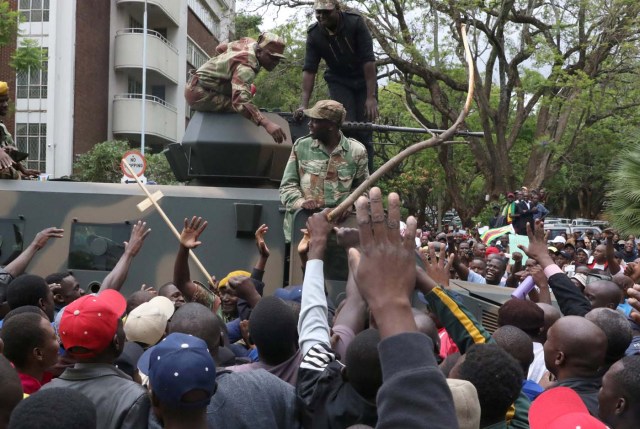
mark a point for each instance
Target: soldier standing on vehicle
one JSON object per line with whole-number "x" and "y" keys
{"x": 343, "y": 40}
{"x": 9, "y": 169}
{"x": 223, "y": 84}
{"x": 324, "y": 167}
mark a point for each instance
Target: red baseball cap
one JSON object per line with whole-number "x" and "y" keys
{"x": 91, "y": 322}
{"x": 561, "y": 408}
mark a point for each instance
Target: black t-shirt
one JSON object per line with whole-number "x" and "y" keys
{"x": 344, "y": 52}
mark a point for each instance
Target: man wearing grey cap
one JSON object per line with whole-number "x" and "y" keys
{"x": 324, "y": 167}
{"x": 343, "y": 40}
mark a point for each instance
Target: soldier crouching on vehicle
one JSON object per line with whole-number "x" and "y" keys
{"x": 9, "y": 168}
{"x": 223, "y": 84}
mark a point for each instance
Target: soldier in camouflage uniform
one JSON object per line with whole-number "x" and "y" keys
{"x": 9, "y": 169}
{"x": 223, "y": 84}
{"x": 324, "y": 167}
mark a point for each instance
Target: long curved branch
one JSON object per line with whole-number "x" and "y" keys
{"x": 416, "y": 147}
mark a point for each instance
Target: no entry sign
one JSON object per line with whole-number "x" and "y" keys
{"x": 137, "y": 162}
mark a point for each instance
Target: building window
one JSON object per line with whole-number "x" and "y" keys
{"x": 32, "y": 138}
{"x": 206, "y": 15}
{"x": 195, "y": 56}
{"x": 34, "y": 10}
{"x": 134, "y": 86}
{"x": 33, "y": 83}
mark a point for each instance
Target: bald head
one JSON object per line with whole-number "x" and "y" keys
{"x": 603, "y": 293}
{"x": 517, "y": 343}
{"x": 137, "y": 298}
{"x": 551, "y": 315}
{"x": 617, "y": 329}
{"x": 428, "y": 327}
{"x": 197, "y": 320}
{"x": 575, "y": 347}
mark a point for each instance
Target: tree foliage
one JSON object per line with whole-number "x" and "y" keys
{"x": 29, "y": 53}
{"x": 551, "y": 77}
{"x": 102, "y": 164}
{"x": 623, "y": 196}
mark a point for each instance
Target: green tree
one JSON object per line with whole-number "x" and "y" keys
{"x": 547, "y": 73}
{"x": 247, "y": 25}
{"x": 102, "y": 164}
{"x": 623, "y": 196}
{"x": 28, "y": 54}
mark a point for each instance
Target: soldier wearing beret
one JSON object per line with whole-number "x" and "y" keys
{"x": 324, "y": 166}
{"x": 223, "y": 84}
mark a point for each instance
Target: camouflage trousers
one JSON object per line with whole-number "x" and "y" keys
{"x": 10, "y": 174}
{"x": 203, "y": 99}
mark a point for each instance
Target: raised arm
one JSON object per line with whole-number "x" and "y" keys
{"x": 116, "y": 278}
{"x": 313, "y": 326}
{"x": 414, "y": 391}
{"x": 19, "y": 265}
{"x": 612, "y": 264}
{"x": 570, "y": 300}
{"x": 351, "y": 318}
{"x": 188, "y": 240}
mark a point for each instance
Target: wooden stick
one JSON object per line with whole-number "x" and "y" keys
{"x": 173, "y": 229}
{"x": 416, "y": 147}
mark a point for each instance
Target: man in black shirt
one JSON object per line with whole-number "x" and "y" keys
{"x": 343, "y": 40}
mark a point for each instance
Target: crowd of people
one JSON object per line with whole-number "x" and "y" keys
{"x": 399, "y": 351}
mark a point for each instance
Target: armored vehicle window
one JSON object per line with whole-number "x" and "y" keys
{"x": 97, "y": 247}
{"x": 11, "y": 239}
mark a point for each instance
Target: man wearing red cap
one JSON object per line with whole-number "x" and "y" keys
{"x": 223, "y": 84}
{"x": 91, "y": 332}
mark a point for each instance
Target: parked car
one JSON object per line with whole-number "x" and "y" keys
{"x": 584, "y": 229}
{"x": 556, "y": 230}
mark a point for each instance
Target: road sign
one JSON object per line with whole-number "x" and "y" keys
{"x": 137, "y": 162}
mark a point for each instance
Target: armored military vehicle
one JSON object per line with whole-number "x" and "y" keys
{"x": 233, "y": 170}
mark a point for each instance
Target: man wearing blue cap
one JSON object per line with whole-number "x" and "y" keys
{"x": 182, "y": 378}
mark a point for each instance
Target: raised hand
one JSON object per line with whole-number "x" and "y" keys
{"x": 537, "y": 248}
{"x": 138, "y": 233}
{"x": 386, "y": 274}
{"x": 191, "y": 232}
{"x": 262, "y": 246}
{"x": 43, "y": 236}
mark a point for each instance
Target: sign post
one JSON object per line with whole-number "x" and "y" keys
{"x": 138, "y": 164}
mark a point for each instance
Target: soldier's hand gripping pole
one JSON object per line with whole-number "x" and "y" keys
{"x": 434, "y": 141}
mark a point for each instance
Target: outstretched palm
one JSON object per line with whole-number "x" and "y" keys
{"x": 191, "y": 232}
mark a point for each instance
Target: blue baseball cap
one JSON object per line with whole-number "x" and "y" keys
{"x": 180, "y": 364}
{"x": 290, "y": 293}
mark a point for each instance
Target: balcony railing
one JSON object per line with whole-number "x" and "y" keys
{"x": 161, "y": 117}
{"x": 162, "y": 55}
{"x": 171, "y": 8}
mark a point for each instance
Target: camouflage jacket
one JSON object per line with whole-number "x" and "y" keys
{"x": 229, "y": 75}
{"x": 6, "y": 140}
{"x": 314, "y": 173}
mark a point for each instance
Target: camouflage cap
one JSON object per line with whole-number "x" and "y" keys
{"x": 4, "y": 88}
{"x": 327, "y": 109}
{"x": 273, "y": 43}
{"x": 325, "y": 4}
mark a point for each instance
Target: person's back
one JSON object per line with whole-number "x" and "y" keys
{"x": 91, "y": 331}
